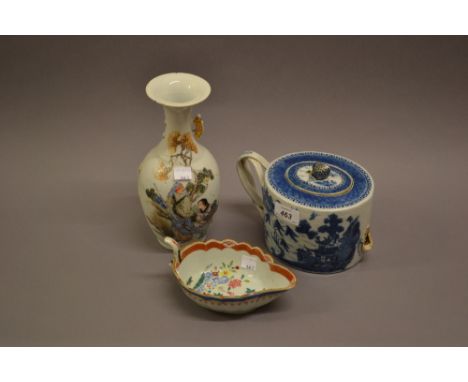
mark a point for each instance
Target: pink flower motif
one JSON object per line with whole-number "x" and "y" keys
{"x": 234, "y": 283}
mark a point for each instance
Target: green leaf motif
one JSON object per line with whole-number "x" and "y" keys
{"x": 189, "y": 187}
{"x": 189, "y": 281}
{"x": 200, "y": 281}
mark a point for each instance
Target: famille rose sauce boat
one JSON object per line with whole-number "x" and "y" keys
{"x": 227, "y": 276}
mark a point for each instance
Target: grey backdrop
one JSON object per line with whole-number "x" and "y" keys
{"x": 79, "y": 266}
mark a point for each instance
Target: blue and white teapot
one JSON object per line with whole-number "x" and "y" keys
{"x": 316, "y": 208}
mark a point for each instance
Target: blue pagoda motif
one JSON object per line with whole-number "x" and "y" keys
{"x": 281, "y": 244}
{"x": 289, "y": 232}
{"x": 335, "y": 246}
{"x": 324, "y": 246}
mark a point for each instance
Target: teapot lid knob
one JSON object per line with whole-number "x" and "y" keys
{"x": 320, "y": 171}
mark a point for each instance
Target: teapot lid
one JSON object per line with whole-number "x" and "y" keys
{"x": 319, "y": 180}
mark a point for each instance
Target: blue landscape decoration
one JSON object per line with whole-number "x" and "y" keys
{"x": 324, "y": 248}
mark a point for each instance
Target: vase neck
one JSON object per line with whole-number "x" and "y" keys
{"x": 177, "y": 119}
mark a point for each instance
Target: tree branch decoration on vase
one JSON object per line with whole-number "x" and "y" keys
{"x": 184, "y": 214}
{"x": 181, "y": 147}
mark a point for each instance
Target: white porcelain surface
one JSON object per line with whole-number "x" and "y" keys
{"x": 178, "y": 89}
{"x": 179, "y": 208}
{"x": 215, "y": 275}
{"x": 302, "y": 228}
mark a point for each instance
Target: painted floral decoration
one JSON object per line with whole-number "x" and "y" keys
{"x": 162, "y": 172}
{"x": 181, "y": 145}
{"x": 185, "y": 212}
{"x": 223, "y": 280}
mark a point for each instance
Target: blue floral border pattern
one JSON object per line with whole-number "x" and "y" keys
{"x": 362, "y": 187}
{"x": 325, "y": 246}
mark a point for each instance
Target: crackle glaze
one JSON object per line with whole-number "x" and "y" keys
{"x": 315, "y": 206}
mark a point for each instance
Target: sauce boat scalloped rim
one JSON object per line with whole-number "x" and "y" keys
{"x": 228, "y": 276}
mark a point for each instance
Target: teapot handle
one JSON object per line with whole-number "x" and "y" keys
{"x": 259, "y": 164}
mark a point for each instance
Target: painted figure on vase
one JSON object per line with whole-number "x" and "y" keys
{"x": 185, "y": 211}
{"x": 178, "y": 180}
{"x": 184, "y": 208}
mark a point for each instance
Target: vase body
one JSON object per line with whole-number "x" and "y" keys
{"x": 178, "y": 182}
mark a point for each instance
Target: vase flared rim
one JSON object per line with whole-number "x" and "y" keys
{"x": 178, "y": 89}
